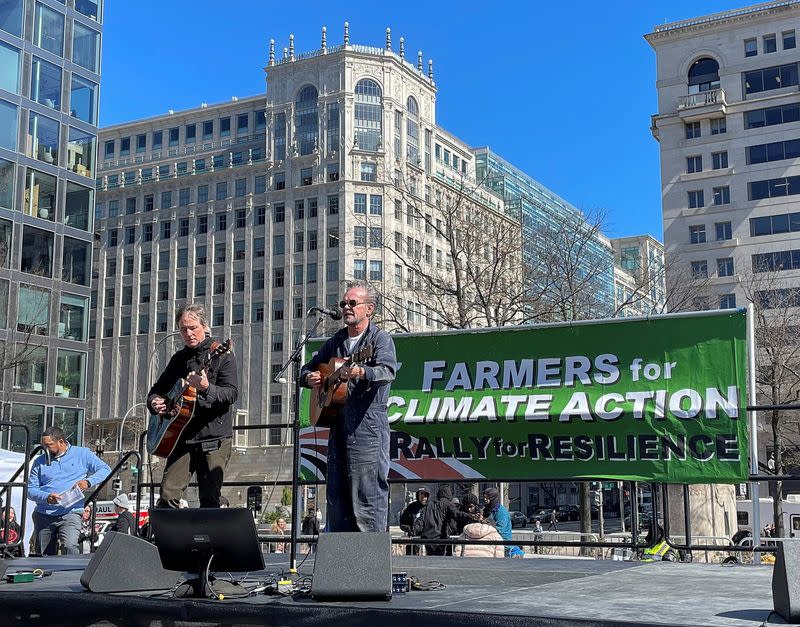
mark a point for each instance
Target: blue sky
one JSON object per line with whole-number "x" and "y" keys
{"x": 563, "y": 91}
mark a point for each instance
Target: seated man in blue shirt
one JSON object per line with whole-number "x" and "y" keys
{"x": 61, "y": 468}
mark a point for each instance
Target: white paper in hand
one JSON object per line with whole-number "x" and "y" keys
{"x": 69, "y": 497}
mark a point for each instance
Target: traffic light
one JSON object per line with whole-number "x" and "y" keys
{"x": 594, "y": 485}
{"x": 134, "y": 471}
{"x": 116, "y": 484}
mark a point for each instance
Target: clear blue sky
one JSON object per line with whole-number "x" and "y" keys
{"x": 563, "y": 91}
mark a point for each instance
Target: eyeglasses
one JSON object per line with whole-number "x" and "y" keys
{"x": 350, "y": 303}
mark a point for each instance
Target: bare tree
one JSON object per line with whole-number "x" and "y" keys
{"x": 777, "y": 356}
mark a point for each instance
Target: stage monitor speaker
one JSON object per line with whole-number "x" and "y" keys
{"x": 124, "y": 563}
{"x": 3, "y": 568}
{"x": 786, "y": 581}
{"x": 353, "y": 566}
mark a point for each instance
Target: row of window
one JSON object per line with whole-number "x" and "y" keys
{"x": 719, "y": 161}
{"x": 49, "y": 28}
{"x": 723, "y": 231}
{"x": 45, "y": 86}
{"x": 724, "y": 268}
{"x": 757, "y": 118}
{"x": 759, "y": 153}
{"x": 37, "y": 253}
{"x": 773, "y": 225}
{"x": 721, "y": 196}
{"x": 186, "y": 134}
{"x": 33, "y": 312}
{"x": 776, "y": 261}
{"x": 767, "y": 79}
{"x": 769, "y": 43}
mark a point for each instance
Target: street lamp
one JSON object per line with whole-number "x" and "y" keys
{"x": 122, "y": 426}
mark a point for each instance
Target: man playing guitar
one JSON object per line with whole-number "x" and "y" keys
{"x": 358, "y": 441}
{"x": 204, "y": 447}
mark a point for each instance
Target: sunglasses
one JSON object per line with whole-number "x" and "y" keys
{"x": 350, "y": 303}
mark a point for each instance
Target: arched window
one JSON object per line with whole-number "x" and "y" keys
{"x": 703, "y": 75}
{"x": 412, "y": 130}
{"x": 306, "y": 119}
{"x": 369, "y": 107}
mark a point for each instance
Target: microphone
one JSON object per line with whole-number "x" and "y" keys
{"x": 333, "y": 312}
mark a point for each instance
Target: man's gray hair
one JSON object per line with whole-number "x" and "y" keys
{"x": 195, "y": 309}
{"x": 371, "y": 292}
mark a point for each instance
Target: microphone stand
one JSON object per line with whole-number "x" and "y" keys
{"x": 295, "y": 360}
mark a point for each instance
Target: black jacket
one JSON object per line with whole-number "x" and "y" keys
{"x": 441, "y": 516}
{"x": 310, "y": 526}
{"x": 213, "y": 417}
{"x": 124, "y": 523}
{"x": 409, "y": 515}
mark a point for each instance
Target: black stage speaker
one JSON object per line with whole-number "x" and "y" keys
{"x": 353, "y": 566}
{"x": 124, "y": 563}
{"x": 3, "y": 568}
{"x": 786, "y": 581}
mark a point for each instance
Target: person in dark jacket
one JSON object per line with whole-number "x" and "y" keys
{"x": 310, "y": 526}
{"x": 470, "y": 507}
{"x": 440, "y": 519}
{"x": 204, "y": 447}
{"x": 358, "y": 440}
{"x": 14, "y": 534}
{"x": 125, "y": 522}
{"x": 497, "y": 512}
{"x": 410, "y": 515}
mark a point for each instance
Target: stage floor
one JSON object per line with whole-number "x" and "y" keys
{"x": 538, "y": 591}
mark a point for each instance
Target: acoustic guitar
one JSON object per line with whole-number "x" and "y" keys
{"x": 165, "y": 429}
{"x": 331, "y": 395}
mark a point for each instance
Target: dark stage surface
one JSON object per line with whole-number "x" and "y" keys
{"x": 496, "y": 592}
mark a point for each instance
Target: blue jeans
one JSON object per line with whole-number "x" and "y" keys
{"x": 358, "y": 467}
{"x": 49, "y": 529}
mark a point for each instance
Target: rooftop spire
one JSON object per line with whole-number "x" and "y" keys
{"x": 347, "y": 33}
{"x": 419, "y": 60}
{"x": 272, "y": 52}
{"x": 324, "y": 44}
{"x": 291, "y": 47}
{"x": 388, "y": 38}
{"x": 402, "y": 48}
{"x": 430, "y": 69}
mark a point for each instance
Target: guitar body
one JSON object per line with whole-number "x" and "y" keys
{"x": 164, "y": 430}
{"x": 329, "y": 396}
{"x": 326, "y": 400}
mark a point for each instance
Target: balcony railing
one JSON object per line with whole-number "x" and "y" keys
{"x": 702, "y": 99}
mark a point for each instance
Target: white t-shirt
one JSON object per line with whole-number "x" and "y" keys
{"x": 351, "y": 342}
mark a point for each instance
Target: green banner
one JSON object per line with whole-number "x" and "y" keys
{"x": 661, "y": 399}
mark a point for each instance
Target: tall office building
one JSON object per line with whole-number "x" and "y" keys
{"x": 728, "y": 127}
{"x": 49, "y": 83}
{"x": 261, "y": 208}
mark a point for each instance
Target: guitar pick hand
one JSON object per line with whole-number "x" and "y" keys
{"x": 352, "y": 372}
{"x": 198, "y": 380}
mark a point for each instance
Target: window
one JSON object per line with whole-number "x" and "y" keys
{"x": 174, "y": 136}
{"x": 261, "y": 215}
{"x": 723, "y": 231}
{"x": 113, "y": 237}
{"x": 222, "y": 221}
{"x": 43, "y": 133}
{"x": 280, "y": 180}
{"x": 312, "y": 240}
{"x": 722, "y": 195}
{"x": 718, "y": 126}
{"x": 219, "y": 314}
{"x": 163, "y": 290}
{"x": 312, "y": 207}
{"x": 306, "y": 120}
{"x": 201, "y": 255}
{"x": 277, "y": 277}
{"x": 311, "y": 273}
{"x": 766, "y": 79}
{"x": 375, "y": 270}
{"x": 333, "y": 205}
{"x": 222, "y": 190}
{"x": 200, "y": 286}
{"x": 360, "y": 236}
{"x": 166, "y": 229}
{"x": 279, "y": 212}
{"x": 750, "y": 47}
{"x": 368, "y": 114}
{"x": 183, "y": 197}
{"x": 692, "y": 130}
{"x": 127, "y": 265}
{"x": 148, "y": 202}
{"x": 258, "y": 312}
{"x": 258, "y": 247}
{"x": 332, "y": 271}
{"x": 333, "y": 237}
{"x": 789, "y": 40}
{"x": 48, "y": 29}
{"x": 306, "y": 176}
{"x": 375, "y": 237}
{"x": 144, "y": 293}
{"x": 775, "y": 151}
{"x": 37, "y": 251}
{"x": 238, "y": 281}
{"x": 696, "y": 199}
{"x": 85, "y": 46}
{"x": 719, "y": 160}
{"x": 240, "y": 188}
{"x": 299, "y": 209}
{"x": 697, "y": 234}
{"x": 333, "y": 172}
{"x": 769, "y": 43}
{"x": 260, "y": 184}
{"x": 45, "y": 78}
{"x": 166, "y": 199}
{"x": 298, "y": 274}
{"x": 83, "y": 100}
{"x": 181, "y": 289}
{"x": 375, "y": 205}
{"x": 725, "y": 266}
{"x": 146, "y": 262}
{"x": 277, "y": 310}
{"x": 238, "y": 249}
{"x": 202, "y": 224}
{"x": 773, "y": 188}
{"x": 770, "y": 116}
{"x": 727, "y": 301}
{"x": 130, "y": 234}
{"x": 163, "y": 259}
{"x": 694, "y": 164}
{"x": 202, "y": 193}
{"x": 278, "y": 245}
{"x": 237, "y": 316}
{"x": 109, "y": 149}
{"x": 158, "y": 140}
{"x": 127, "y": 295}
{"x": 219, "y": 252}
{"x": 360, "y": 203}
{"x": 224, "y": 127}
{"x": 699, "y": 269}
{"x": 359, "y": 269}
{"x": 369, "y": 172}
{"x": 219, "y": 284}
{"x": 299, "y": 240}
{"x": 258, "y": 279}
{"x": 183, "y": 257}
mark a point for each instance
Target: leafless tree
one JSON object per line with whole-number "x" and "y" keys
{"x": 777, "y": 337}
